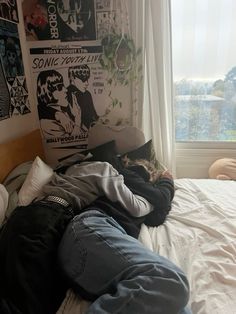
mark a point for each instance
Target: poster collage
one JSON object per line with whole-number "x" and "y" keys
{"x": 64, "y": 39}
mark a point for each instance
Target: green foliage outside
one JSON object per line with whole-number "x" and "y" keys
{"x": 206, "y": 111}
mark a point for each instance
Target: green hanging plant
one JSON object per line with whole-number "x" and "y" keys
{"x": 119, "y": 59}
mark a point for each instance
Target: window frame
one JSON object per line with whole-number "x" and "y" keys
{"x": 203, "y": 145}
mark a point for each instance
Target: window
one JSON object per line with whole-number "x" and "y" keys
{"x": 204, "y": 70}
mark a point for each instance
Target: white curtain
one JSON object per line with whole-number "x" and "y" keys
{"x": 151, "y": 21}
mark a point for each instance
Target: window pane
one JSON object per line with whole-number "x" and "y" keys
{"x": 204, "y": 67}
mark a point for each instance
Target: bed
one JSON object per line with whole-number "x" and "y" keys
{"x": 199, "y": 234}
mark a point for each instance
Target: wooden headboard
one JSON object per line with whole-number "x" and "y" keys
{"x": 19, "y": 150}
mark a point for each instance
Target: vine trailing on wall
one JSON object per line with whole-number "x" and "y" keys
{"x": 120, "y": 58}
{"x": 120, "y": 61}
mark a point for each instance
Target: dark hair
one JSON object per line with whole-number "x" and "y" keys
{"x": 80, "y": 71}
{"x": 46, "y": 84}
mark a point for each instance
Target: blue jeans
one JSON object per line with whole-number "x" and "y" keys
{"x": 97, "y": 254}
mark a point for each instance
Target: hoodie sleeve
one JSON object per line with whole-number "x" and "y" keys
{"x": 160, "y": 195}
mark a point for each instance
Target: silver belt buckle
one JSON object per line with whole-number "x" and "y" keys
{"x": 58, "y": 200}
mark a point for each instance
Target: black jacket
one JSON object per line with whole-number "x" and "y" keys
{"x": 159, "y": 195}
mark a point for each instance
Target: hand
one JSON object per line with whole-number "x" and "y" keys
{"x": 75, "y": 110}
{"x": 166, "y": 174}
{"x": 65, "y": 121}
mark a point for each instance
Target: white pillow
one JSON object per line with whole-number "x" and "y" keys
{"x": 3, "y": 202}
{"x": 39, "y": 174}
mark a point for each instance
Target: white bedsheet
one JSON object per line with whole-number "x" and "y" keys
{"x": 199, "y": 235}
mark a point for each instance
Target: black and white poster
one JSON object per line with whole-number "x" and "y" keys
{"x": 5, "y": 100}
{"x": 76, "y": 20}
{"x": 63, "y": 20}
{"x": 8, "y": 10}
{"x": 14, "y": 92}
{"x": 69, "y": 89}
{"x": 75, "y": 63}
{"x": 10, "y": 49}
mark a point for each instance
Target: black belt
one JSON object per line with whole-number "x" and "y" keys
{"x": 58, "y": 200}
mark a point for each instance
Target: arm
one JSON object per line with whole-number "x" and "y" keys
{"x": 78, "y": 126}
{"x": 60, "y": 127}
{"x": 159, "y": 195}
{"x": 72, "y": 127}
{"x": 100, "y": 178}
{"x": 65, "y": 121}
{"x": 51, "y": 128}
{"x": 116, "y": 190}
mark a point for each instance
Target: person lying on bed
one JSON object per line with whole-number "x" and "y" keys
{"x": 103, "y": 261}
{"x": 99, "y": 256}
{"x": 137, "y": 186}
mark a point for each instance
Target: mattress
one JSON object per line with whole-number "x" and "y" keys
{"x": 199, "y": 236}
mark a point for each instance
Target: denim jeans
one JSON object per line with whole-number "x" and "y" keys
{"x": 97, "y": 254}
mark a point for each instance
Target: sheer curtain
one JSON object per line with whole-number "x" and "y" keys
{"x": 151, "y": 24}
